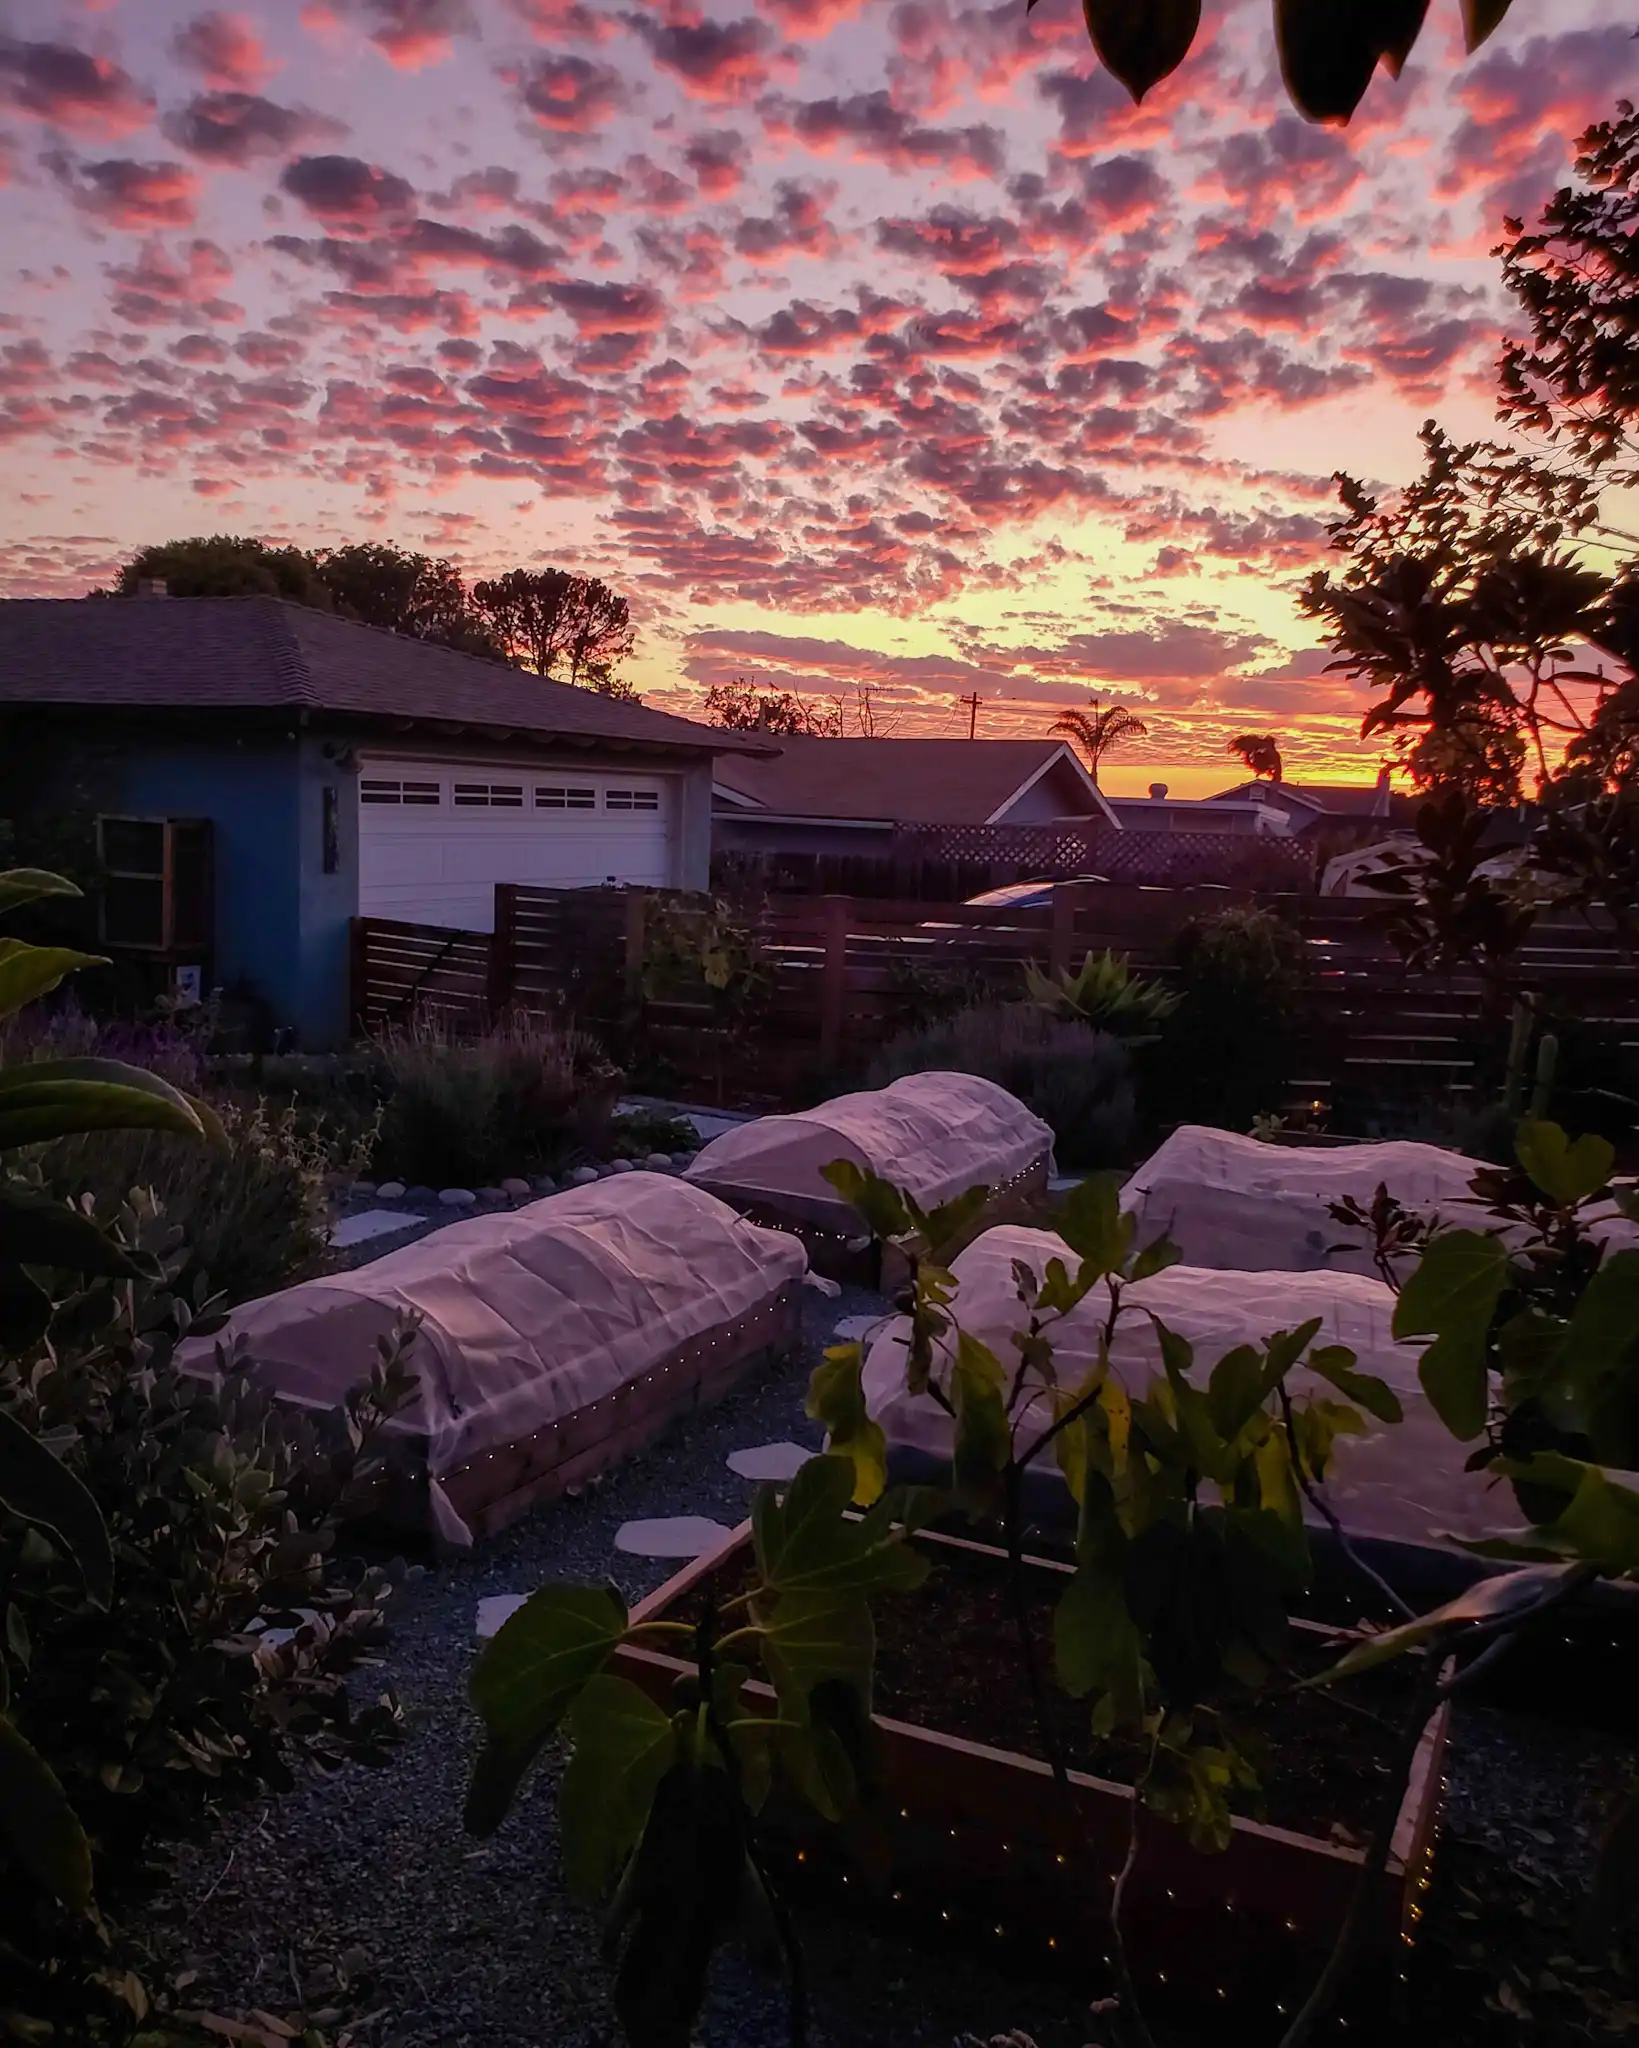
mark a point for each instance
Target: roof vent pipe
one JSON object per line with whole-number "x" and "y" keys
{"x": 1158, "y": 790}
{"x": 153, "y": 586}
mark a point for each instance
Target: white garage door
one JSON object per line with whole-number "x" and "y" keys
{"x": 435, "y": 838}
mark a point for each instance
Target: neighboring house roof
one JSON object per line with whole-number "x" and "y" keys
{"x": 264, "y": 654}
{"x": 904, "y": 782}
{"x": 1323, "y": 799}
{"x": 1200, "y": 814}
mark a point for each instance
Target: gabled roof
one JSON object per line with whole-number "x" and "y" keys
{"x": 265, "y": 654}
{"x": 902, "y": 782}
{"x": 1328, "y": 799}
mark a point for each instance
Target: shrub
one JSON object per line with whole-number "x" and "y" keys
{"x": 253, "y": 1218}
{"x": 464, "y": 1112}
{"x": 1073, "y": 1077}
{"x": 1225, "y": 1054}
{"x": 155, "y": 1706}
{"x": 1103, "y": 992}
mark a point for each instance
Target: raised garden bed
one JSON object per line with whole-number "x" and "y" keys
{"x": 980, "y": 1842}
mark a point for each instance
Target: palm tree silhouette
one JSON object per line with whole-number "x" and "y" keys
{"x": 1261, "y": 753}
{"x": 1098, "y": 735}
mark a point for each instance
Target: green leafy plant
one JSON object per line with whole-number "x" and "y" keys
{"x": 660, "y": 1806}
{"x": 1105, "y": 993}
{"x": 1190, "y": 1540}
{"x": 702, "y": 949}
{"x": 1226, "y": 1050}
{"x": 1074, "y": 1078}
{"x": 177, "y": 1632}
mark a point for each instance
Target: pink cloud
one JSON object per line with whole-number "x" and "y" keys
{"x": 120, "y": 193}
{"x": 345, "y": 192}
{"x": 73, "y": 90}
{"x": 225, "y": 51}
{"x": 572, "y": 95}
{"x": 726, "y": 63}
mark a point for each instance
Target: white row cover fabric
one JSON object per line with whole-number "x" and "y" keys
{"x": 935, "y": 1135}
{"x": 526, "y": 1317}
{"x": 1403, "y": 1482}
{"x": 1234, "y": 1202}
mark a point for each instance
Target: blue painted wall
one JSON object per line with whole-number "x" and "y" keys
{"x": 281, "y": 921}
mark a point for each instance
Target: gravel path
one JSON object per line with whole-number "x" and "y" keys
{"x": 360, "y": 1891}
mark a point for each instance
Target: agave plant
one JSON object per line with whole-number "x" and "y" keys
{"x": 39, "y": 1101}
{"x": 1103, "y": 992}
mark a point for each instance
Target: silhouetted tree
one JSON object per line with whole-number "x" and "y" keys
{"x": 743, "y": 707}
{"x": 1261, "y": 753}
{"x": 1101, "y": 734}
{"x": 407, "y": 593}
{"x": 226, "y": 565}
{"x": 552, "y": 621}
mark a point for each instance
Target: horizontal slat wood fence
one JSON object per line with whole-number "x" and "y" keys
{"x": 844, "y": 974}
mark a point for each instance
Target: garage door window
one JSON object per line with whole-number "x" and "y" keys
{"x": 495, "y": 796}
{"x": 380, "y": 790}
{"x": 631, "y": 800}
{"x": 560, "y": 796}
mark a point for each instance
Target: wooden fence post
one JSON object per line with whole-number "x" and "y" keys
{"x": 834, "y": 978}
{"x": 503, "y": 951}
{"x": 1061, "y": 935}
{"x": 358, "y": 977}
{"x": 637, "y": 901}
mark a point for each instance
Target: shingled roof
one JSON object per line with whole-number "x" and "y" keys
{"x": 265, "y": 654}
{"x": 912, "y": 782}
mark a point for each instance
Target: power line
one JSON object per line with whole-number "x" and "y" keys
{"x": 972, "y": 704}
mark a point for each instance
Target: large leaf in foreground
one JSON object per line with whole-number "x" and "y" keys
{"x": 624, "y": 1746}
{"x": 40, "y": 1488}
{"x": 40, "y": 1825}
{"x": 1491, "y": 1600}
{"x": 38, "y": 1230}
{"x": 806, "y": 1542}
{"x": 27, "y": 972}
{"x": 26, "y": 885}
{"x": 525, "y": 1680}
{"x": 1451, "y": 1295}
{"x": 836, "y": 1398}
{"x": 62, "y": 1098}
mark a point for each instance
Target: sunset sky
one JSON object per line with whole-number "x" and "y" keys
{"x": 852, "y": 340}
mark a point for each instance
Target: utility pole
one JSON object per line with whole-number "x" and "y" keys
{"x": 972, "y": 704}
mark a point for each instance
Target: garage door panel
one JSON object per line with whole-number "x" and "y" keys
{"x": 437, "y": 862}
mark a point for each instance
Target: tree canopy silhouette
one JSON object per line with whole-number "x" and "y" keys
{"x": 571, "y": 628}
{"x": 743, "y": 707}
{"x": 1099, "y": 735}
{"x": 1261, "y": 753}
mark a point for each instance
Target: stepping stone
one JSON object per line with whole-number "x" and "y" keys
{"x": 857, "y": 1329}
{"x": 458, "y": 1198}
{"x": 1062, "y": 1183}
{"x": 769, "y": 1461}
{"x": 496, "y": 1609}
{"x": 515, "y": 1186}
{"x": 821, "y": 1284}
{"x": 673, "y": 1536}
{"x": 391, "y": 1191}
{"x": 369, "y": 1223}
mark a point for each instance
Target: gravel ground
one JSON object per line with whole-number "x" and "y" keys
{"x": 365, "y": 1879}
{"x": 361, "y": 1893}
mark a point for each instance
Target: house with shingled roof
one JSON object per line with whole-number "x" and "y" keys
{"x": 267, "y": 772}
{"x": 824, "y": 796}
